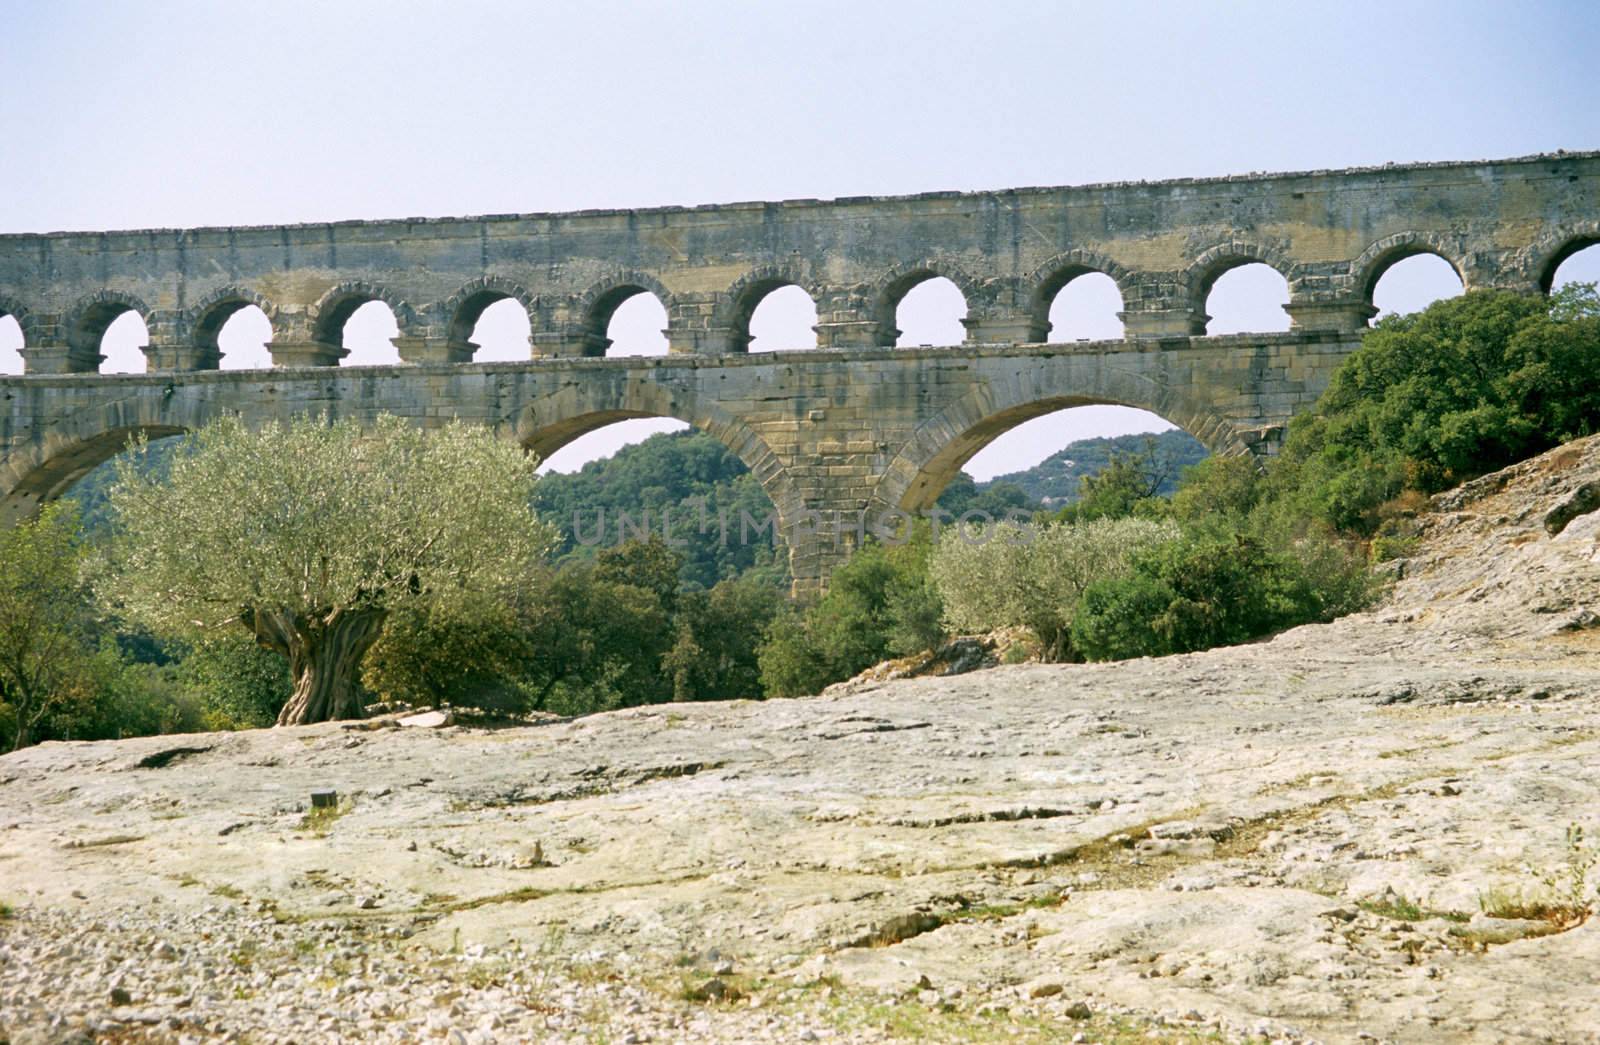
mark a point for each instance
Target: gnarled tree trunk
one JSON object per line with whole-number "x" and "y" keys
{"x": 324, "y": 658}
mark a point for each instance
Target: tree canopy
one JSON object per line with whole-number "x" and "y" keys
{"x": 310, "y": 533}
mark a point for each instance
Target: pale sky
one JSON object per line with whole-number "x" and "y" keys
{"x": 134, "y": 115}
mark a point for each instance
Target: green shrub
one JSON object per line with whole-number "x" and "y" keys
{"x": 880, "y": 604}
{"x": 1215, "y": 589}
{"x": 1034, "y": 576}
{"x": 1465, "y": 387}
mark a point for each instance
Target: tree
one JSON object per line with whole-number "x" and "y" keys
{"x": 1033, "y": 577}
{"x": 879, "y": 604}
{"x": 1465, "y": 387}
{"x": 715, "y": 653}
{"x": 1126, "y": 485}
{"x": 311, "y": 533}
{"x": 44, "y": 620}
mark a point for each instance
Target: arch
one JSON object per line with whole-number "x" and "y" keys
{"x": 554, "y": 420}
{"x": 945, "y": 442}
{"x": 1413, "y": 283}
{"x": 1556, "y": 246}
{"x": 206, "y": 318}
{"x": 1373, "y": 262}
{"x": 87, "y": 321}
{"x": 741, "y": 300}
{"x": 1049, "y": 279}
{"x": 334, "y": 308}
{"x": 1211, "y": 264}
{"x": 43, "y": 469}
{"x": 11, "y": 345}
{"x": 465, "y": 306}
{"x": 600, "y": 302}
{"x": 892, "y": 287}
{"x": 10, "y": 306}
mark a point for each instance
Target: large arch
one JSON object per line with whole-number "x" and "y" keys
{"x": 945, "y": 442}
{"x": 1049, "y": 279}
{"x": 43, "y": 469}
{"x": 552, "y": 421}
{"x": 206, "y": 318}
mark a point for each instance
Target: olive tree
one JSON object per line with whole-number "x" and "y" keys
{"x": 1033, "y": 576}
{"x": 311, "y": 533}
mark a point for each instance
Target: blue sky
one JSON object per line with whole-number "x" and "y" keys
{"x": 170, "y": 114}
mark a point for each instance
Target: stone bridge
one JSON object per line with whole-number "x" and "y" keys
{"x": 852, "y": 425}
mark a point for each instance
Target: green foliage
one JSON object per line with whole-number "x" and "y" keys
{"x": 880, "y": 603}
{"x": 996, "y": 498}
{"x": 45, "y": 623}
{"x": 686, "y": 478}
{"x": 715, "y": 653}
{"x": 1034, "y": 576}
{"x": 588, "y": 636}
{"x": 1214, "y": 588}
{"x": 238, "y": 684}
{"x": 309, "y": 533}
{"x": 311, "y": 517}
{"x": 1468, "y": 386}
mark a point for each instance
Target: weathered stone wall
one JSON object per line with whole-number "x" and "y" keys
{"x": 1330, "y": 233}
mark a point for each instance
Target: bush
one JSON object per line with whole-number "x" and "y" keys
{"x": 716, "y": 652}
{"x": 881, "y": 603}
{"x": 1215, "y": 589}
{"x": 1034, "y": 576}
{"x": 1429, "y": 400}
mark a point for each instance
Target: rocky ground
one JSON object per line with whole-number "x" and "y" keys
{"x": 1353, "y": 831}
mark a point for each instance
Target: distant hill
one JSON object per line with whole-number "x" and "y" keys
{"x": 1054, "y": 481}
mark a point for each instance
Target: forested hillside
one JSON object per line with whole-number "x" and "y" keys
{"x": 1054, "y": 481}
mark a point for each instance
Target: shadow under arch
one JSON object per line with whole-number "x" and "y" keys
{"x": 891, "y": 288}
{"x": 1211, "y": 265}
{"x": 466, "y": 306}
{"x": 738, "y": 305}
{"x": 600, "y": 302}
{"x": 211, "y": 313}
{"x": 1051, "y": 278}
{"x": 944, "y": 443}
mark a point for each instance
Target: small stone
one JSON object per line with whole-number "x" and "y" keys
{"x": 429, "y": 720}
{"x": 366, "y": 903}
{"x": 1079, "y": 1010}
{"x": 1045, "y": 990}
{"x": 165, "y": 950}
